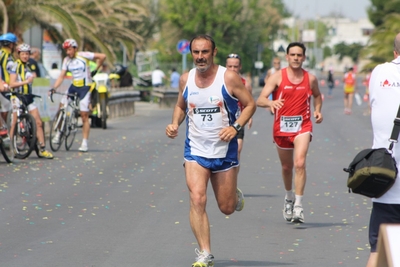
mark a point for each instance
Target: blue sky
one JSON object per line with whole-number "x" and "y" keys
{"x": 353, "y": 9}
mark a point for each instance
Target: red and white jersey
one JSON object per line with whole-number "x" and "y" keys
{"x": 349, "y": 78}
{"x": 294, "y": 116}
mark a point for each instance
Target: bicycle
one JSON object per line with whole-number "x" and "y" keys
{"x": 65, "y": 123}
{"x": 23, "y": 130}
{"x": 5, "y": 143}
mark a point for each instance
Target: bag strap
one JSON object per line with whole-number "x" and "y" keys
{"x": 395, "y": 131}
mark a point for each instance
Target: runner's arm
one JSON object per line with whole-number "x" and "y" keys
{"x": 179, "y": 111}
{"x": 317, "y": 99}
{"x": 272, "y": 83}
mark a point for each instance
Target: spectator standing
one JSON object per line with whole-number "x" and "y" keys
{"x": 157, "y": 77}
{"x": 33, "y": 61}
{"x": 174, "y": 79}
{"x": 54, "y": 73}
{"x": 331, "y": 83}
{"x": 385, "y": 101}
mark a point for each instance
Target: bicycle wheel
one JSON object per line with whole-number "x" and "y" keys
{"x": 72, "y": 127}
{"x": 55, "y": 126}
{"x": 24, "y": 137}
{"x": 6, "y": 149}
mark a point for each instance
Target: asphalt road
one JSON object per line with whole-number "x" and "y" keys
{"x": 125, "y": 202}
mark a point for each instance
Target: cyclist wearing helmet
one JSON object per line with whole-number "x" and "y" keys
{"x": 78, "y": 64}
{"x": 8, "y": 43}
{"x": 21, "y": 78}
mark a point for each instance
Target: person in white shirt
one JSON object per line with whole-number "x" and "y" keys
{"x": 157, "y": 77}
{"x": 55, "y": 71}
{"x": 384, "y": 91}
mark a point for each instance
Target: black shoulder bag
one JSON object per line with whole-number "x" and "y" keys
{"x": 373, "y": 171}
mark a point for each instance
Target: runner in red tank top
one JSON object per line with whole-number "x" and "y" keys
{"x": 292, "y": 89}
{"x": 234, "y": 62}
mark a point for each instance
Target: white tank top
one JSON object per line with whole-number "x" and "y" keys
{"x": 208, "y": 111}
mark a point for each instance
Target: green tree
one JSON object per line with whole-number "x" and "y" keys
{"x": 351, "y": 50}
{"x": 380, "y": 48}
{"x": 327, "y": 51}
{"x": 379, "y": 9}
{"x": 236, "y": 26}
{"x": 385, "y": 16}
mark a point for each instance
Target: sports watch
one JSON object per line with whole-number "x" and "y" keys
{"x": 237, "y": 126}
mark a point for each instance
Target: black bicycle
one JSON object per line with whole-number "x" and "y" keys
{"x": 65, "y": 123}
{"x": 5, "y": 142}
{"x": 22, "y": 126}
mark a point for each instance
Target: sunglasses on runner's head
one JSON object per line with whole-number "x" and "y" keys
{"x": 233, "y": 56}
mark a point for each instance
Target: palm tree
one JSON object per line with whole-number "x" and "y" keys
{"x": 379, "y": 49}
{"x": 99, "y": 25}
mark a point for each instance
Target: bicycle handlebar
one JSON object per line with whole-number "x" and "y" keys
{"x": 57, "y": 93}
{"x": 20, "y": 94}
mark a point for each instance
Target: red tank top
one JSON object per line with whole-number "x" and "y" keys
{"x": 295, "y": 115}
{"x": 349, "y": 79}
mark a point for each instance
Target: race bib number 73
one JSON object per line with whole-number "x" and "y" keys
{"x": 207, "y": 117}
{"x": 291, "y": 124}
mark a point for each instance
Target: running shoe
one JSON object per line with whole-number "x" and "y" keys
{"x": 56, "y": 138}
{"x": 288, "y": 210}
{"x": 203, "y": 259}
{"x": 83, "y": 148}
{"x": 240, "y": 204}
{"x": 45, "y": 154}
{"x": 298, "y": 214}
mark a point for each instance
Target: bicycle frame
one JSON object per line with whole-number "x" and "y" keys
{"x": 64, "y": 124}
{"x": 23, "y": 126}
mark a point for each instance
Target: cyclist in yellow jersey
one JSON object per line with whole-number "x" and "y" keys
{"x": 78, "y": 64}
{"x": 21, "y": 78}
{"x": 8, "y": 43}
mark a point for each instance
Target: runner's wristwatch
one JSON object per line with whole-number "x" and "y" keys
{"x": 237, "y": 126}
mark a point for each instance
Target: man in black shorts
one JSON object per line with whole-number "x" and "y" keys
{"x": 384, "y": 107}
{"x": 234, "y": 62}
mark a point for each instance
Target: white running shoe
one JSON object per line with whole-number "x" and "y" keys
{"x": 203, "y": 259}
{"x": 298, "y": 214}
{"x": 288, "y": 210}
{"x": 240, "y": 204}
{"x": 83, "y": 148}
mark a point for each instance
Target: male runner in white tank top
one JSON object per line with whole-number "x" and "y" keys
{"x": 208, "y": 99}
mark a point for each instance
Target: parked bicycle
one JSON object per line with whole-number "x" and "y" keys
{"x": 5, "y": 143}
{"x": 65, "y": 123}
{"x": 22, "y": 126}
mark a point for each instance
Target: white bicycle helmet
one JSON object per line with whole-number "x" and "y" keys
{"x": 23, "y": 48}
{"x": 69, "y": 43}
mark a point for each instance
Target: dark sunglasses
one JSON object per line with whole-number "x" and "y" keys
{"x": 233, "y": 56}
